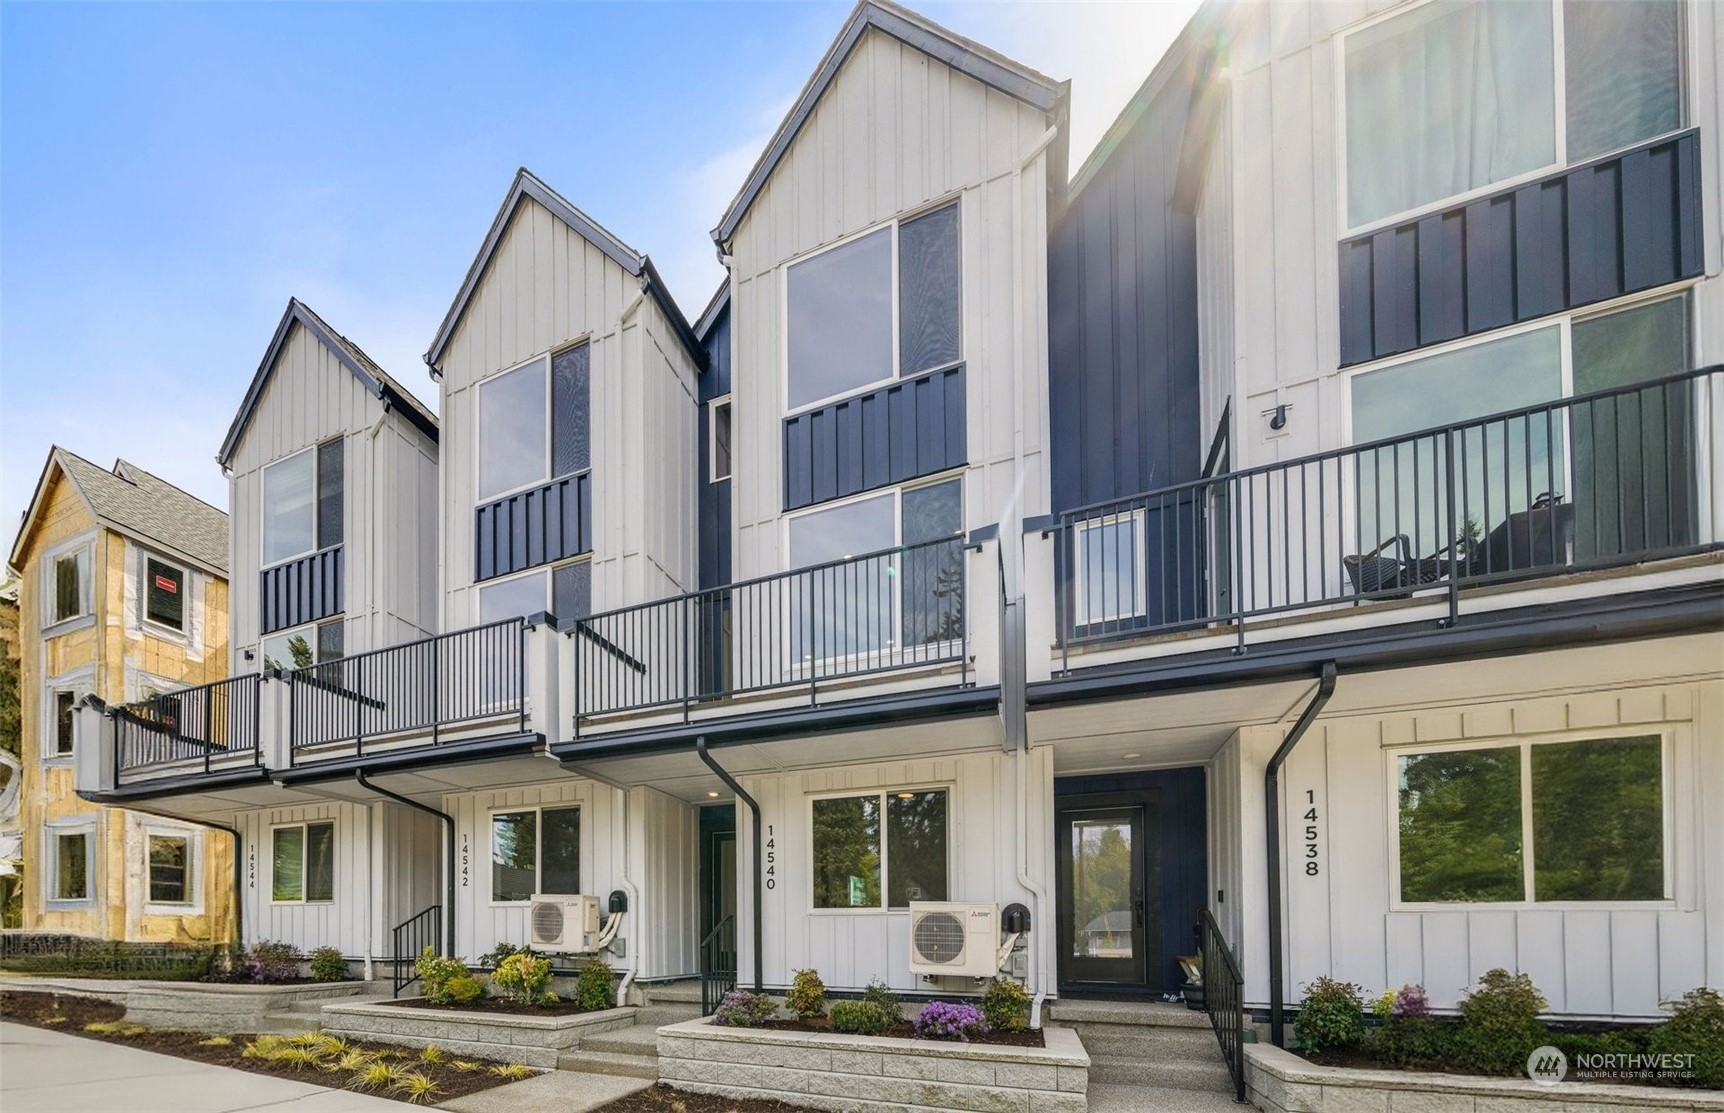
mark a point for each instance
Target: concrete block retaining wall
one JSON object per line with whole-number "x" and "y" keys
{"x": 852, "y": 1074}
{"x": 536, "y": 1041}
{"x": 1278, "y": 1081}
{"x": 200, "y": 1006}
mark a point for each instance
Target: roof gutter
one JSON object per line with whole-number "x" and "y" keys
{"x": 449, "y": 862}
{"x": 759, "y": 878}
{"x": 1272, "y": 824}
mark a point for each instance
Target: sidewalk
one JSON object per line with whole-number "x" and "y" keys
{"x": 50, "y": 1072}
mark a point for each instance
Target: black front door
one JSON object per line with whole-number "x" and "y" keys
{"x": 1109, "y": 903}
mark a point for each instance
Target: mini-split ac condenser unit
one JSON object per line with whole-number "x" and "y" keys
{"x": 954, "y": 938}
{"x": 564, "y": 925}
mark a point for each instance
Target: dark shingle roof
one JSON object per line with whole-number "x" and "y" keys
{"x": 151, "y": 508}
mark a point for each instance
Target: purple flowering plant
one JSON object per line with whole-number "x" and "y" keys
{"x": 946, "y": 1020}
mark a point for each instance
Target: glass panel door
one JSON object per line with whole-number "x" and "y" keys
{"x": 1104, "y": 911}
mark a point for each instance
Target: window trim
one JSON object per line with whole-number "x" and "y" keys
{"x": 80, "y": 682}
{"x": 491, "y": 815}
{"x": 1140, "y": 528}
{"x": 304, "y": 848}
{"x": 895, "y": 223}
{"x": 1559, "y": 76}
{"x": 263, "y": 509}
{"x": 84, "y": 543}
{"x": 712, "y": 408}
{"x": 1665, "y": 732}
{"x": 547, "y": 357}
{"x": 145, "y": 556}
{"x": 194, "y": 902}
{"x": 52, "y": 832}
{"x": 884, "y": 908}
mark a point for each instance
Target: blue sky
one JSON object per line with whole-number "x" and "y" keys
{"x": 171, "y": 174}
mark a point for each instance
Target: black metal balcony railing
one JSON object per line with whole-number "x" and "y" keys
{"x": 880, "y": 612}
{"x": 428, "y": 685}
{"x": 202, "y": 724}
{"x": 1598, "y": 480}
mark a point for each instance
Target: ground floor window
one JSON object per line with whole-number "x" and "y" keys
{"x": 1578, "y": 820}
{"x": 71, "y": 861}
{"x": 535, "y": 850}
{"x": 304, "y": 646}
{"x": 302, "y": 863}
{"x": 850, "y": 869}
{"x": 170, "y": 857}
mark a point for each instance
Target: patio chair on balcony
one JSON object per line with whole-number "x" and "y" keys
{"x": 1376, "y": 573}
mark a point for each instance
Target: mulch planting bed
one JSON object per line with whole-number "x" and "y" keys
{"x": 318, "y": 1065}
{"x": 660, "y": 1098}
{"x": 904, "y": 1030}
{"x": 492, "y": 1005}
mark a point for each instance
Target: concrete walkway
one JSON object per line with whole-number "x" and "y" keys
{"x": 43, "y": 1071}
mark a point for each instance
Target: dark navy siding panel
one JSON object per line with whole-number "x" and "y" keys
{"x": 892, "y": 434}
{"x": 1124, "y": 401}
{"x": 1614, "y": 226}
{"x": 714, "y": 498}
{"x": 535, "y": 527}
{"x": 302, "y": 590}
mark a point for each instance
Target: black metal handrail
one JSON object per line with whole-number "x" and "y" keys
{"x": 425, "y": 685}
{"x": 1598, "y": 480}
{"x": 717, "y": 964}
{"x": 1223, "y": 997}
{"x": 879, "y": 612}
{"x": 201, "y": 724}
{"x": 410, "y": 938}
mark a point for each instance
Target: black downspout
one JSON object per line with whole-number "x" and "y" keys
{"x": 449, "y": 872}
{"x": 742, "y": 794}
{"x": 1272, "y": 822}
{"x": 238, "y": 861}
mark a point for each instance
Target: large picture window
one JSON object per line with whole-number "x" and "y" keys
{"x": 535, "y": 850}
{"x": 302, "y": 859}
{"x": 303, "y": 502}
{"x": 850, "y": 870}
{"x": 882, "y": 305}
{"x": 1576, "y": 820}
{"x": 897, "y": 599}
{"x": 1451, "y": 96}
{"x": 535, "y": 423}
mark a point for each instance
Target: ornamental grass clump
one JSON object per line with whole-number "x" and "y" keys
{"x": 1499, "y": 1023}
{"x": 1332, "y": 1015}
{"x": 861, "y": 1018}
{"x": 947, "y": 1020}
{"x": 807, "y": 997}
{"x": 742, "y": 1009}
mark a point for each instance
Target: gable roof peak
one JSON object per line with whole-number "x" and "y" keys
{"x": 377, "y": 381}
{"x": 963, "y": 54}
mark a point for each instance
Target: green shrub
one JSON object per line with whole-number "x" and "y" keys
{"x": 596, "y": 988}
{"x": 327, "y": 965}
{"x": 1696, "y": 1027}
{"x": 1331, "y": 1016}
{"x": 1411, "y": 1041}
{"x": 863, "y": 1018}
{"x": 1006, "y": 1004}
{"x": 464, "y": 990}
{"x": 742, "y": 1009}
{"x": 494, "y": 957}
{"x": 1499, "y": 1023}
{"x": 807, "y": 997}
{"x": 878, "y": 993}
{"x": 437, "y": 972}
{"x": 525, "y": 980}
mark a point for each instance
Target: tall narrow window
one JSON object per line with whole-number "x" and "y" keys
{"x": 71, "y": 586}
{"x": 164, "y": 594}
{"x": 70, "y": 853}
{"x": 331, "y": 479}
{"x": 289, "y": 517}
{"x": 65, "y": 710}
{"x": 930, "y": 292}
{"x": 1624, "y": 72}
{"x": 571, "y": 417}
{"x": 720, "y": 434}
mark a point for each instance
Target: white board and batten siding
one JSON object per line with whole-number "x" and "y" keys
{"x": 896, "y": 132}
{"x": 1589, "y": 960}
{"x": 389, "y": 487}
{"x": 659, "y": 932}
{"x": 546, "y": 287}
{"x": 1271, "y": 334}
{"x": 850, "y": 948}
{"x": 387, "y": 869}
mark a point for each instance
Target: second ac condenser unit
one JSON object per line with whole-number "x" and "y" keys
{"x": 959, "y": 939}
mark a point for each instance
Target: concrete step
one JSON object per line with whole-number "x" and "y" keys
{"x": 608, "y": 1062}
{"x": 1169, "y": 1074}
{"x": 1114, "y": 1098}
{"x": 684, "y": 992}
{"x": 1133, "y": 1041}
{"x": 624, "y": 1041}
{"x": 1155, "y": 1014}
{"x": 657, "y": 1016}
